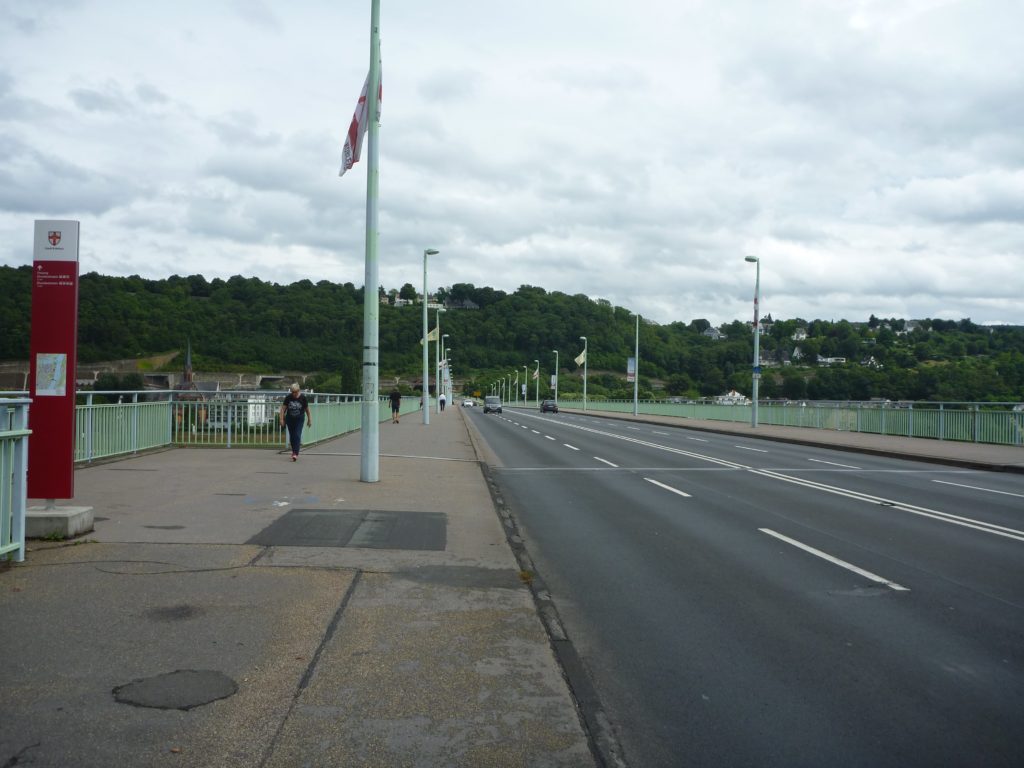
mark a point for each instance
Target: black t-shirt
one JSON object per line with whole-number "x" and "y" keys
{"x": 295, "y": 406}
{"x": 396, "y": 399}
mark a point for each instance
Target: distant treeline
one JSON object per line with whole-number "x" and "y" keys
{"x": 249, "y": 324}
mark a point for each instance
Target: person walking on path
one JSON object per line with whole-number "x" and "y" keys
{"x": 396, "y": 405}
{"x": 441, "y": 400}
{"x": 295, "y": 410}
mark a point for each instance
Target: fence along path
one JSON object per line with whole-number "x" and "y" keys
{"x": 993, "y": 423}
{"x": 14, "y": 435}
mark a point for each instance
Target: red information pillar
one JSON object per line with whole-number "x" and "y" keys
{"x": 52, "y": 360}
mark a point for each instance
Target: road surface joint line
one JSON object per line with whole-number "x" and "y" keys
{"x": 668, "y": 488}
{"x": 836, "y": 561}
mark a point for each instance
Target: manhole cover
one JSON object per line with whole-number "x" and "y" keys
{"x": 183, "y": 689}
{"x": 356, "y": 528}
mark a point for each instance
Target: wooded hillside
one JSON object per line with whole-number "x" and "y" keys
{"x": 249, "y": 324}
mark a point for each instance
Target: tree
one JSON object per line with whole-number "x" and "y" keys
{"x": 408, "y": 292}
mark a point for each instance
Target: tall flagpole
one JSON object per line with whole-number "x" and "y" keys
{"x": 369, "y": 465}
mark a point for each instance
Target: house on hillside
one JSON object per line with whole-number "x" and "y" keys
{"x": 714, "y": 334}
{"x": 732, "y": 397}
{"x": 909, "y": 327}
{"x": 460, "y": 304}
{"x": 800, "y": 334}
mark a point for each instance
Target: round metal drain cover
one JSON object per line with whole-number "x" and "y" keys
{"x": 183, "y": 689}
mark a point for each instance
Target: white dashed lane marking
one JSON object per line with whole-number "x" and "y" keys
{"x": 668, "y": 488}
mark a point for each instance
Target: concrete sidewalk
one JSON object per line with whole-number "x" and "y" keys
{"x": 998, "y": 458}
{"x": 233, "y": 608}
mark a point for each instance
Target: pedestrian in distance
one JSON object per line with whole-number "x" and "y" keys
{"x": 295, "y": 411}
{"x": 441, "y": 400}
{"x": 396, "y": 405}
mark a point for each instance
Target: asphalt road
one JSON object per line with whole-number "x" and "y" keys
{"x": 743, "y": 602}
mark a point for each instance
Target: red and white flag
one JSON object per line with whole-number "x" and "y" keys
{"x": 354, "y": 139}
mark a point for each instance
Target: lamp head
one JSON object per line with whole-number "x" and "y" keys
{"x": 751, "y": 259}
{"x": 431, "y": 252}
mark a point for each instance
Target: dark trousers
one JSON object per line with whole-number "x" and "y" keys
{"x": 295, "y": 432}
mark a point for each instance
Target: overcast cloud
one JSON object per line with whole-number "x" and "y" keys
{"x": 871, "y": 152}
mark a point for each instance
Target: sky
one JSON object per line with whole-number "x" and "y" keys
{"x": 869, "y": 152}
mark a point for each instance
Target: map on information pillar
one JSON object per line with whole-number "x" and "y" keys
{"x": 51, "y": 375}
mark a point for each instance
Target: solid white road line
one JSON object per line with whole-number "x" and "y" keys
{"x": 605, "y": 461}
{"x": 835, "y": 560}
{"x": 946, "y": 517}
{"x": 570, "y": 447}
{"x": 667, "y": 487}
{"x": 979, "y": 488}
{"x": 833, "y": 463}
{"x": 745, "y": 448}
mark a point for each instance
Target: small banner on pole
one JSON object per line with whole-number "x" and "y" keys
{"x": 631, "y": 370}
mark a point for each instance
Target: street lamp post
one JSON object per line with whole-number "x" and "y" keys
{"x": 536, "y": 383}
{"x": 757, "y": 338}
{"x": 526, "y": 384}
{"x": 448, "y": 367}
{"x": 442, "y": 367}
{"x": 515, "y": 390}
{"x": 585, "y": 361}
{"x": 426, "y": 347}
{"x": 556, "y": 375}
{"x": 636, "y": 369}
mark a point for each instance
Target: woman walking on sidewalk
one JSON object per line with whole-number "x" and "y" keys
{"x": 396, "y": 405}
{"x": 293, "y": 409}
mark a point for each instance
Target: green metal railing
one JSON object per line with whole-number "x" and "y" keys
{"x": 14, "y": 435}
{"x": 217, "y": 420}
{"x": 995, "y": 423}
